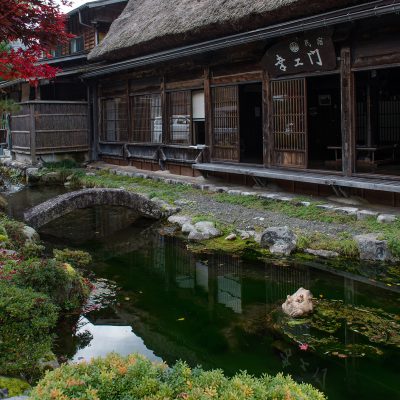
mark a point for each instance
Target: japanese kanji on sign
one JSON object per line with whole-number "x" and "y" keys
{"x": 310, "y": 52}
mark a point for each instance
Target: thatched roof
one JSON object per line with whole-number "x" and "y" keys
{"x": 146, "y": 26}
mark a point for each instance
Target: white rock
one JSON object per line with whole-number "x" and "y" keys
{"x": 346, "y": 210}
{"x": 373, "y": 249}
{"x": 188, "y": 227}
{"x": 179, "y": 219}
{"x": 299, "y": 304}
{"x": 231, "y": 237}
{"x": 386, "y": 218}
{"x": 208, "y": 228}
{"x": 234, "y": 192}
{"x": 322, "y": 253}
{"x": 364, "y": 214}
{"x": 30, "y": 235}
{"x": 279, "y": 240}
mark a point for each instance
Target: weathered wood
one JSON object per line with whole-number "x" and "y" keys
{"x": 321, "y": 178}
{"x": 348, "y": 111}
{"x": 254, "y": 76}
{"x": 208, "y": 105}
{"x": 33, "y": 133}
{"x": 164, "y": 113}
{"x": 189, "y": 84}
{"x": 267, "y": 123}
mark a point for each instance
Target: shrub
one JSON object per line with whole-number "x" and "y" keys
{"x": 60, "y": 281}
{"x": 78, "y": 258}
{"x": 14, "y": 387}
{"x": 13, "y": 230}
{"x": 26, "y": 320}
{"x": 135, "y": 377}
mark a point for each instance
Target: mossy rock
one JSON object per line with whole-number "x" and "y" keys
{"x": 14, "y": 386}
{"x": 324, "y": 330}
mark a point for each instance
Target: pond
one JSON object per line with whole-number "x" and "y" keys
{"x": 155, "y": 297}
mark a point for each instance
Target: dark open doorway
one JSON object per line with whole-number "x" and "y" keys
{"x": 324, "y": 122}
{"x": 250, "y": 117}
{"x": 378, "y": 121}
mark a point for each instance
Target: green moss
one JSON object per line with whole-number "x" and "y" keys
{"x": 324, "y": 329}
{"x": 14, "y": 386}
{"x": 78, "y": 258}
{"x": 344, "y": 244}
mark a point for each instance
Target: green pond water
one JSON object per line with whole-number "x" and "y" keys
{"x": 155, "y": 297}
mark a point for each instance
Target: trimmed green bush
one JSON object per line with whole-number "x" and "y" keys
{"x": 135, "y": 377}
{"x": 78, "y": 258}
{"x": 60, "y": 281}
{"x": 26, "y": 320}
{"x": 14, "y": 386}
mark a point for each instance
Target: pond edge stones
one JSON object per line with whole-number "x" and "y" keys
{"x": 279, "y": 240}
{"x": 299, "y": 304}
{"x": 372, "y": 248}
{"x": 199, "y": 231}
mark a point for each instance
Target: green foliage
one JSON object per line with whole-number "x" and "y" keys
{"x": 344, "y": 244}
{"x": 14, "y": 386}
{"x": 78, "y": 258}
{"x": 27, "y": 318}
{"x": 324, "y": 329}
{"x": 135, "y": 377}
{"x": 60, "y": 281}
{"x": 8, "y": 106}
{"x": 14, "y": 231}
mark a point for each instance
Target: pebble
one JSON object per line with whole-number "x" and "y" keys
{"x": 386, "y": 218}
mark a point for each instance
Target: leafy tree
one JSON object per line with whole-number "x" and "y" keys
{"x": 38, "y": 26}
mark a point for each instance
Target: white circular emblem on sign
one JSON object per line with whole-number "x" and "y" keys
{"x": 294, "y": 47}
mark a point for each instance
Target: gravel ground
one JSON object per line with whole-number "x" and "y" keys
{"x": 247, "y": 218}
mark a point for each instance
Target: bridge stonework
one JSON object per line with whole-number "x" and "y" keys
{"x": 64, "y": 204}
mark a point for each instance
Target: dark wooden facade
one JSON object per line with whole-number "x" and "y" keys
{"x": 319, "y": 120}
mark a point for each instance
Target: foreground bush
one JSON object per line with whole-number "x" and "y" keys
{"x": 26, "y": 320}
{"x": 12, "y": 386}
{"x": 134, "y": 377}
{"x": 60, "y": 281}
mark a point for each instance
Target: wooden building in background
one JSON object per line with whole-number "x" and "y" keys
{"x": 55, "y": 118}
{"x": 305, "y": 93}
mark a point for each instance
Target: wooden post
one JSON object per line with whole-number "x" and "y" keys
{"x": 93, "y": 106}
{"x": 208, "y": 111}
{"x": 32, "y": 128}
{"x": 267, "y": 119}
{"x": 348, "y": 111}
{"x": 164, "y": 113}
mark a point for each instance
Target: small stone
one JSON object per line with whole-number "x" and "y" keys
{"x": 188, "y": 227}
{"x": 248, "y": 193}
{"x": 372, "y": 248}
{"x": 283, "y": 198}
{"x": 305, "y": 203}
{"x": 322, "y": 253}
{"x": 207, "y": 228}
{"x": 299, "y": 304}
{"x": 325, "y": 206}
{"x": 231, "y": 237}
{"x": 346, "y": 210}
{"x": 386, "y": 218}
{"x": 89, "y": 174}
{"x": 221, "y": 189}
{"x": 269, "y": 196}
{"x": 279, "y": 240}
{"x": 364, "y": 214}
{"x": 30, "y": 235}
{"x": 235, "y": 192}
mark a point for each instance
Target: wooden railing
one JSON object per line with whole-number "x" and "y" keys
{"x": 49, "y": 127}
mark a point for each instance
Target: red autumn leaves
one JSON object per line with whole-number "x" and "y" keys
{"x": 39, "y": 26}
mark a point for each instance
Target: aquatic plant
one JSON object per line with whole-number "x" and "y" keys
{"x": 135, "y": 377}
{"x": 323, "y": 330}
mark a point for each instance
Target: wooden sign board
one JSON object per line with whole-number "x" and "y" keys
{"x": 308, "y": 52}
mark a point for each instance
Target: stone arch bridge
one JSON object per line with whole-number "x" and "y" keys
{"x": 61, "y": 205}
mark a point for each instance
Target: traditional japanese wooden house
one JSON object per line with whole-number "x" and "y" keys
{"x": 306, "y": 93}
{"x": 53, "y": 121}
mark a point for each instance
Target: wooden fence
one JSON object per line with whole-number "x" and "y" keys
{"x": 50, "y": 127}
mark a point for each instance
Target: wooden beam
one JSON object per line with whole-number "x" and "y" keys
{"x": 164, "y": 113}
{"x": 32, "y": 128}
{"x": 348, "y": 112}
{"x": 267, "y": 119}
{"x": 208, "y": 110}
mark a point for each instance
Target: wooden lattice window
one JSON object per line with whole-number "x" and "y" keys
{"x": 179, "y": 114}
{"x": 146, "y": 118}
{"x": 225, "y": 109}
{"x": 114, "y": 120}
{"x": 289, "y": 122}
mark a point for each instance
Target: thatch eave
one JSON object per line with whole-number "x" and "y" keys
{"x": 143, "y": 29}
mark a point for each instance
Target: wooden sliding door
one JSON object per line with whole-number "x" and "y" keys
{"x": 289, "y": 128}
{"x": 225, "y": 119}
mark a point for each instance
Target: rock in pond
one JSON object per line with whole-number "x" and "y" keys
{"x": 279, "y": 240}
{"x": 372, "y": 248}
{"x": 299, "y": 304}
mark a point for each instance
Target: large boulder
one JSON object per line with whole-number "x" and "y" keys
{"x": 299, "y": 304}
{"x": 179, "y": 219}
{"x": 372, "y": 248}
{"x": 202, "y": 231}
{"x": 279, "y": 240}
